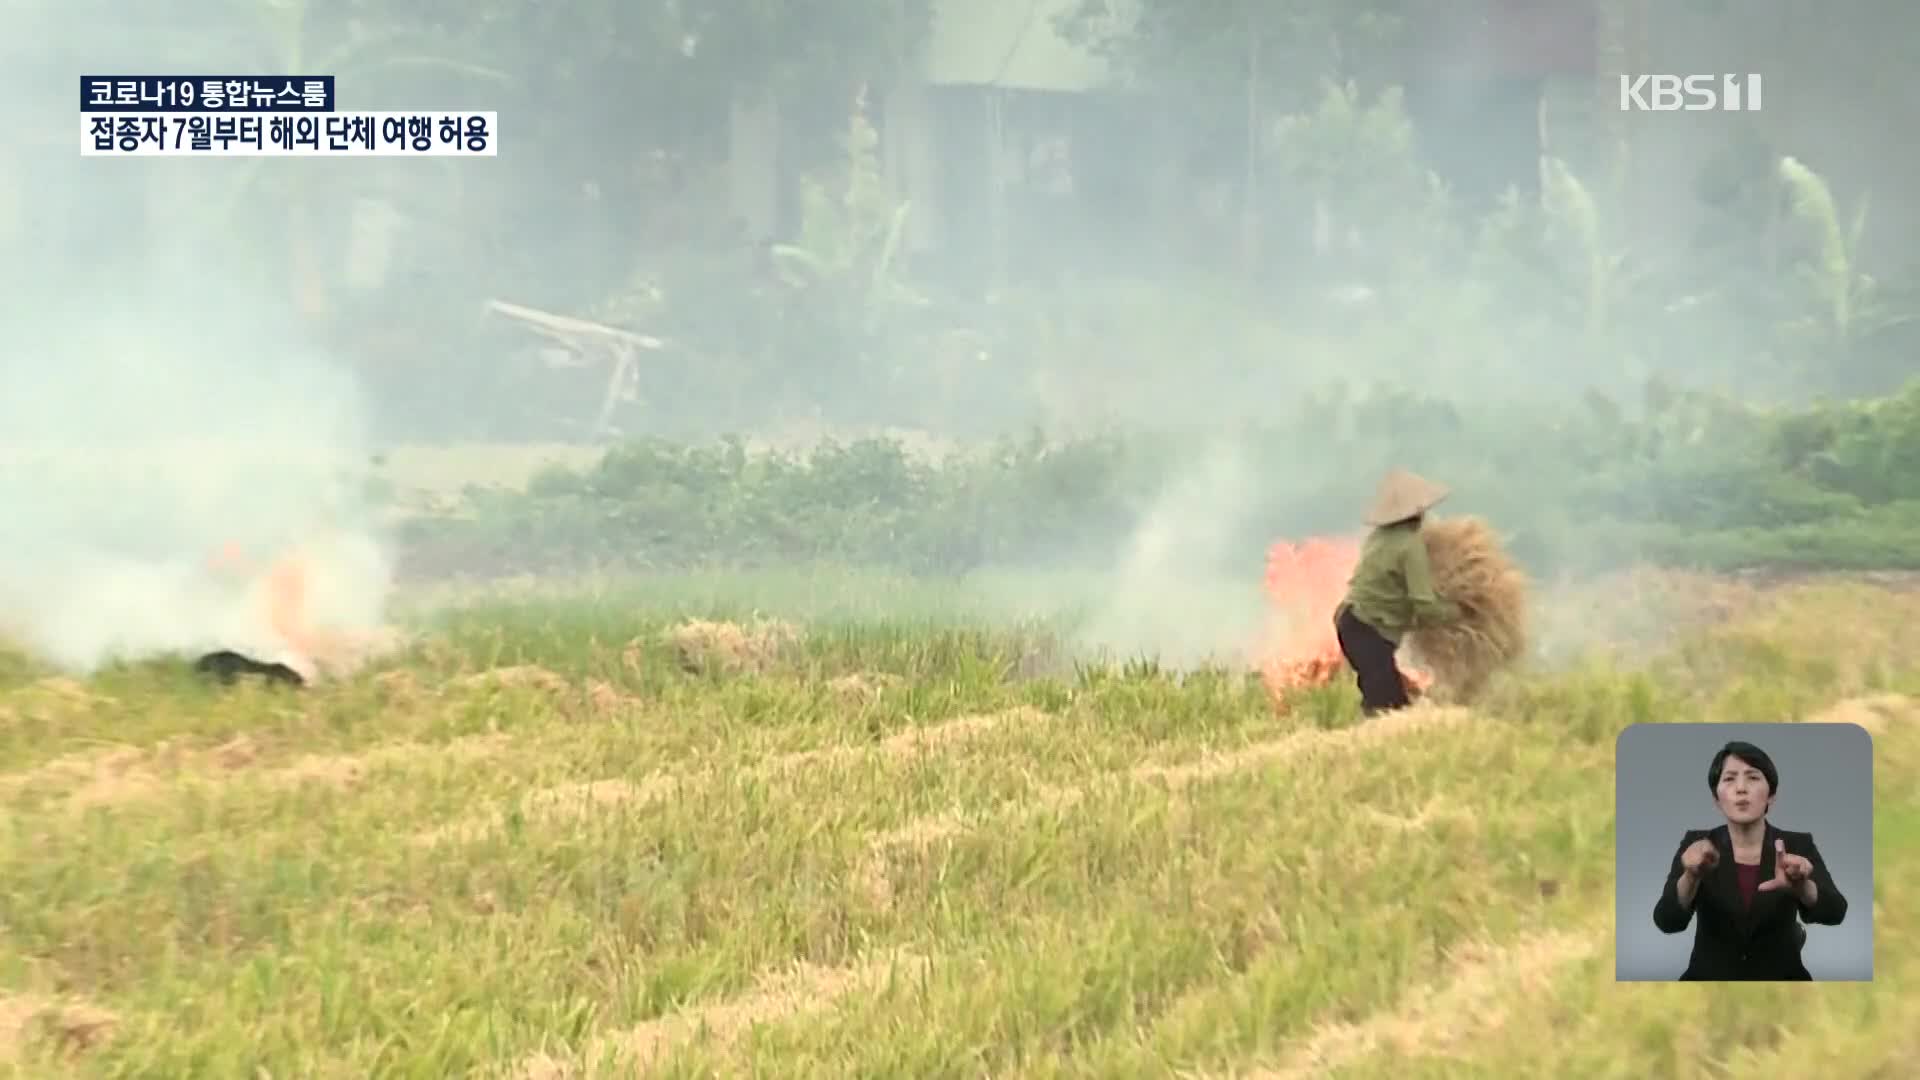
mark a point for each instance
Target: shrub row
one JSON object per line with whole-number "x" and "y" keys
{"x": 1684, "y": 480}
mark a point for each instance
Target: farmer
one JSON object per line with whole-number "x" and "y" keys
{"x": 1391, "y": 590}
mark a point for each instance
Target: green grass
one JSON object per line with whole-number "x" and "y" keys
{"x": 593, "y": 857}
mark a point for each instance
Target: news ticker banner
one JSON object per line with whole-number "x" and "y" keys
{"x": 262, "y": 116}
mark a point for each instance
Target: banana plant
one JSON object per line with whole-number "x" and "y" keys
{"x": 1850, "y": 304}
{"x": 850, "y": 239}
{"x": 1604, "y": 272}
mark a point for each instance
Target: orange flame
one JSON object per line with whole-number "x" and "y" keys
{"x": 287, "y": 604}
{"x": 286, "y": 600}
{"x": 1305, "y": 583}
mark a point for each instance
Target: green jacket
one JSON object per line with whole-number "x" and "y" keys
{"x": 1392, "y": 588}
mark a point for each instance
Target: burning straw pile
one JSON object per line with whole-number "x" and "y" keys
{"x": 1472, "y": 569}
{"x": 1305, "y": 583}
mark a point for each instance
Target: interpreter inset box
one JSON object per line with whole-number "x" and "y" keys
{"x": 1744, "y": 852}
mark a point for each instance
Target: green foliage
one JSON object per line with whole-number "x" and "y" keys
{"x": 1691, "y": 481}
{"x": 786, "y": 47}
{"x": 846, "y": 295}
{"x": 1207, "y": 51}
{"x": 1272, "y": 114}
{"x": 1359, "y": 156}
{"x": 660, "y": 506}
{"x": 1870, "y": 450}
{"x": 699, "y": 52}
{"x": 1598, "y": 267}
{"x": 1843, "y": 307}
{"x": 1832, "y": 275}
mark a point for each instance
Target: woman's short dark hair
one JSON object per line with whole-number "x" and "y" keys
{"x": 1750, "y": 754}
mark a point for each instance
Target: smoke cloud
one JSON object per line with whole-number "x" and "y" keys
{"x": 1165, "y": 598}
{"x": 158, "y": 454}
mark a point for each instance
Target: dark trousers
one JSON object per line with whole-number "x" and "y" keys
{"x": 1371, "y": 654}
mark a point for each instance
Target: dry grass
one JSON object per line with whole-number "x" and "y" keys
{"x": 518, "y": 677}
{"x": 1485, "y": 979}
{"x": 1115, "y": 873}
{"x": 1874, "y": 714}
{"x": 127, "y": 775}
{"x": 729, "y": 648}
{"x": 584, "y": 799}
{"x": 340, "y": 655}
{"x": 780, "y": 995}
{"x": 1471, "y": 567}
{"x": 67, "y": 1026}
{"x": 862, "y": 688}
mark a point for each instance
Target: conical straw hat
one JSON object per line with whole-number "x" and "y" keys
{"x": 1402, "y": 495}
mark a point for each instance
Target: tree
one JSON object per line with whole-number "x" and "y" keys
{"x": 1227, "y": 69}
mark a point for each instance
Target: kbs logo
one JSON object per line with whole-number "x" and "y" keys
{"x": 1689, "y": 93}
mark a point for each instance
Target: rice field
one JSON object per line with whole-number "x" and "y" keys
{"x": 799, "y": 827}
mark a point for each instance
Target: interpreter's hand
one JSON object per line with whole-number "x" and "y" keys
{"x": 1789, "y": 871}
{"x": 1699, "y": 858}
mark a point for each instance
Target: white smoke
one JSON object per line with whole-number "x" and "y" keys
{"x": 1164, "y": 602}
{"x": 141, "y": 437}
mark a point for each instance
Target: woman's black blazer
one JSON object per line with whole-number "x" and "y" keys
{"x": 1737, "y": 943}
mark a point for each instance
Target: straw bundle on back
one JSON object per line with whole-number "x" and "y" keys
{"x": 1472, "y": 568}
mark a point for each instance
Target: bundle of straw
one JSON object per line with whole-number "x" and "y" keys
{"x": 731, "y": 648}
{"x": 1472, "y": 568}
